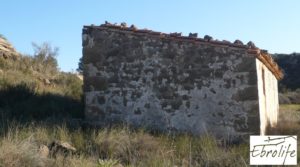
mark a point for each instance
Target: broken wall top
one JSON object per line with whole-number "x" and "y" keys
{"x": 250, "y": 47}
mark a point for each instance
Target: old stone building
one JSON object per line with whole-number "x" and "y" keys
{"x": 177, "y": 83}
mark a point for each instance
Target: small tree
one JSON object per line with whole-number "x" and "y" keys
{"x": 45, "y": 55}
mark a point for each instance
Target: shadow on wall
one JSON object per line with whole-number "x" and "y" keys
{"x": 21, "y": 103}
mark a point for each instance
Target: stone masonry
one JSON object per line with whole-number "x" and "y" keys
{"x": 174, "y": 83}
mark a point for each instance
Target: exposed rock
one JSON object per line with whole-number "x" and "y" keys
{"x": 7, "y": 50}
{"x": 57, "y": 147}
{"x": 47, "y": 81}
{"x": 44, "y": 151}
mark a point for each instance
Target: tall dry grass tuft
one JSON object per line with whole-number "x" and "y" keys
{"x": 104, "y": 147}
{"x": 205, "y": 151}
{"x": 100, "y": 147}
{"x": 19, "y": 146}
{"x": 288, "y": 122}
{"x": 124, "y": 145}
{"x": 20, "y": 153}
{"x": 74, "y": 161}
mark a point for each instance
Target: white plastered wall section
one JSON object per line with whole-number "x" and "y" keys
{"x": 268, "y": 97}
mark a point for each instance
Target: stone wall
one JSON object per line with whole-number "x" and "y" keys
{"x": 170, "y": 83}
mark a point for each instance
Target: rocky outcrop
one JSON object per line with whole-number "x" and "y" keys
{"x": 56, "y": 147}
{"x": 43, "y": 151}
{"x": 7, "y": 50}
{"x": 60, "y": 147}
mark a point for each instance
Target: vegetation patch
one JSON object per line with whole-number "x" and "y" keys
{"x": 19, "y": 145}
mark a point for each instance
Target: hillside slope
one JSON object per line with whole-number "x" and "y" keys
{"x": 290, "y": 63}
{"x": 32, "y": 87}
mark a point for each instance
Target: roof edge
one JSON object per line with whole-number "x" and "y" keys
{"x": 268, "y": 61}
{"x": 250, "y": 47}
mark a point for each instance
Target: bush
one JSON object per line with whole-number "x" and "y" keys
{"x": 45, "y": 58}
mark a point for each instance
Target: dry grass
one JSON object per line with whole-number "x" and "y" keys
{"x": 20, "y": 153}
{"x": 289, "y": 107}
{"x": 25, "y": 70}
{"x": 109, "y": 147}
{"x": 120, "y": 145}
{"x": 288, "y": 123}
{"x": 19, "y": 143}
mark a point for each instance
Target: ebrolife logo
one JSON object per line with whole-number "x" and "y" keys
{"x": 273, "y": 150}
